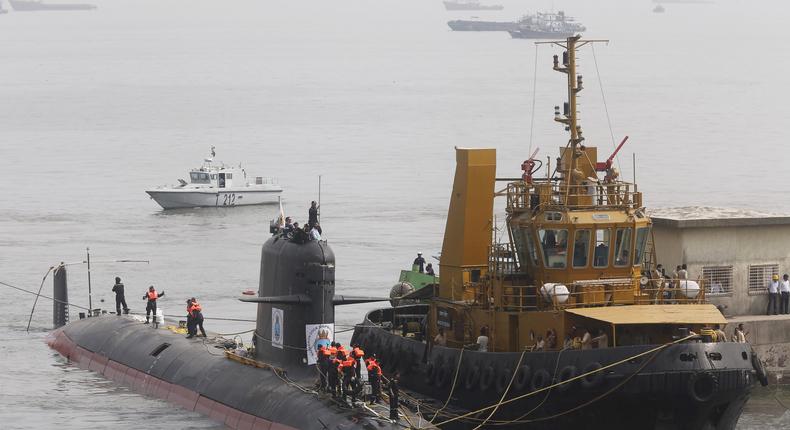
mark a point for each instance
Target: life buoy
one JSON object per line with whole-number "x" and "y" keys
{"x": 759, "y": 369}
{"x": 503, "y": 379}
{"x": 430, "y": 373}
{"x": 702, "y": 386}
{"x": 567, "y": 373}
{"x": 487, "y": 378}
{"x": 470, "y": 383}
{"x": 442, "y": 376}
{"x": 523, "y": 376}
{"x": 594, "y": 379}
{"x": 540, "y": 379}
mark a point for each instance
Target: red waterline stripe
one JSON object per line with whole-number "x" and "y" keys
{"x": 155, "y": 387}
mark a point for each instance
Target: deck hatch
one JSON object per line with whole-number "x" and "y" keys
{"x": 158, "y": 350}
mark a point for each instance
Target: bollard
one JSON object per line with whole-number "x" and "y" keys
{"x": 60, "y": 307}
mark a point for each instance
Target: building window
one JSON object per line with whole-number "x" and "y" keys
{"x": 718, "y": 280}
{"x": 759, "y": 277}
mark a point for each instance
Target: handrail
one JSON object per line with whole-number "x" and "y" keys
{"x": 546, "y": 194}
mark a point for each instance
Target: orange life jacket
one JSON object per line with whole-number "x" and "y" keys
{"x": 195, "y": 307}
{"x": 152, "y": 295}
{"x": 332, "y": 350}
{"x": 358, "y": 353}
{"x": 373, "y": 367}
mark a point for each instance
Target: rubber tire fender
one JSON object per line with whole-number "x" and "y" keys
{"x": 523, "y": 376}
{"x": 759, "y": 369}
{"x": 540, "y": 379}
{"x": 406, "y": 360}
{"x": 443, "y": 375}
{"x": 430, "y": 373}
{"x": 594, "y": 380}
{"x": 567, "y": 372}
{"x": 705, "y": 392}
{"x": 487, "y": 378}
{"x": 391, "y": 352}
{"x": 472, "y": 378}
{"x": 503, "y": 379}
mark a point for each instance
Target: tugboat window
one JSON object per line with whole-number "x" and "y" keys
{"x": 533, "y": 252}
{"x": 555, "y": 247}
{"x": 602, "y": 240}
{"x": 622, "y": 246}
{"x": 581, "y": 248}
{"x": 641, "y": 241}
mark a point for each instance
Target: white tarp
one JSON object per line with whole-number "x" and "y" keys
{"x": 317, "y": 335}
{"x": 277, "y": 328}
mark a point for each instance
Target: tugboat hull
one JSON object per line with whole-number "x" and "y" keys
{"x": 680, "y": 386}
{"x": 174, "y": 199}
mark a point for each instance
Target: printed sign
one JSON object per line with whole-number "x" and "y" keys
{"x": 277, "y": 328}
{"x": 317, "y": 335}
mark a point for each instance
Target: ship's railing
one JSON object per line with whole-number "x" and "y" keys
{"x": 538, "y": 195}
{"x": 261, "y": 180}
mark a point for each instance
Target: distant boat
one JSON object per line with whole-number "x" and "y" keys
{"x": 470, "y": 5}
{"x": 659, "y": 9}
{"x": 35, "y": 5}
{"x": 217, "y": 185}
{"x": 547, "y": 26}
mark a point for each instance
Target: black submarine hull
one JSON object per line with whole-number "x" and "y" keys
{"x": 684, "y": 386}
{"x": 189, "y": 374}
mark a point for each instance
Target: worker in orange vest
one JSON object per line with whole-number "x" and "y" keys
{"x": 356, "y": 354}
{"x": 374, "y": 376}
{"x": 195, "y": 312}
{"x": 323, "y": 367}
{"x": 347, "y": 369}
{"x": 333, "y": 374}
{"x": 151, "y": 296}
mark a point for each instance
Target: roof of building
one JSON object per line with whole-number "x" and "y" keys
{"x": 654, "y": 314}
{"x": 705, "y": 216}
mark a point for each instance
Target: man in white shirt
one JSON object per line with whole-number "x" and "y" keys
{"x": 773, "y": 292}
{"x": 784, "y": 292}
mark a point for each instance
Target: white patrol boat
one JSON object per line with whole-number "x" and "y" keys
{"x": 216, "y": 185}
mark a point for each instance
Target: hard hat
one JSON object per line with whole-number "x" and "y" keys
{"x": 776, "y": 277}
{"x": 419, "y": 253}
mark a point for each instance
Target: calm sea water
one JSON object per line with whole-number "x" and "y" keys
{"x": 370, "y": 94}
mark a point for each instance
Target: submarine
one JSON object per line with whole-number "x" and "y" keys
{"x": 275, "y": 388}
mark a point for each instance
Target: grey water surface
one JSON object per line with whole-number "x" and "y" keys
{"x": 96, "y": 106}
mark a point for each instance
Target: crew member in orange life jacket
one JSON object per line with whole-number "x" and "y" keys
{"x": 196, "y": 312}
{"x": 374, "y": 376}
{"x": 348, "y": 386}
{"x": 151, "y": 296}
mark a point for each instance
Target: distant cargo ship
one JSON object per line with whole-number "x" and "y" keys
{"x": 547, "y": 26}
{"x": 34, "y": 5}
{"x": 471, "y": 5}
{"x": 473, "y": 25}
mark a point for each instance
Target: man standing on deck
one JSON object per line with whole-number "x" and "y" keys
{"x": 312, "y": 214}
{"x": 784, "y": 293}
{"x": 151, "y": 296}
{"x": 196, "y": 311}
{"x": 773, "y": 292}
{"x": 420, "y": 262}
{"x": 120, "y": 299}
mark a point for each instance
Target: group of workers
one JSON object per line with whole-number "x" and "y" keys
{"x": 312, "y": 229}
{"x": 194, "y": 310}
{"x": 420, "y": 266}
{"x": 340, "y": 374}
{"x": 779, "y": 295}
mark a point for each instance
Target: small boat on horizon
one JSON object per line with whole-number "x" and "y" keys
{"x": 470, "y": 5}
{"x": 217, "y": 185}
{"x": 36, "y": 5}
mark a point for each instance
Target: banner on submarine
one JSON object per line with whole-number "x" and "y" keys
{"x": 318, "y": 335}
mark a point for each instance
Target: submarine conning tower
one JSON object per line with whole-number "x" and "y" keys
{"x": 296, "y": 294}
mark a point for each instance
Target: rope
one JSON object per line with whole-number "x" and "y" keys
{"x": 605, "y": 108}
{"x": 501, "y": 399}
{"x": 452, "y": 388}
{"x": 33, "y": 309}
{"x": 534, "y": 98}
{"x": 41, "y": 295}
{"x": 550, "y": 387}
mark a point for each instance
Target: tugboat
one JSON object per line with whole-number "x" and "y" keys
{"x": 470, "y": 5}
{"x": 486, "y": 349}
{"x": 547, "y": 26}
{"x": 217, "y": 185}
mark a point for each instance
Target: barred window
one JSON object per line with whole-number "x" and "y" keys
{"x": 759, "y": 277}
{"x": 718, "y": 280}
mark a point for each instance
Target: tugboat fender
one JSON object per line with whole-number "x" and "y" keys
{"x": 472, "y": 378}
{"x": 702, "y": 386}
{"x": 443, "y": 375}
{"x": 523, "y": 376}
{"x": 487, "y": 378}
{"x": 430, "y": 372}
{"x": 567, "y": 372}
{"x": 592, "y": 380}
{"x": 503, "y": 379}
{"x": 540, "y": 379}
{"x": 759, "y": 369}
